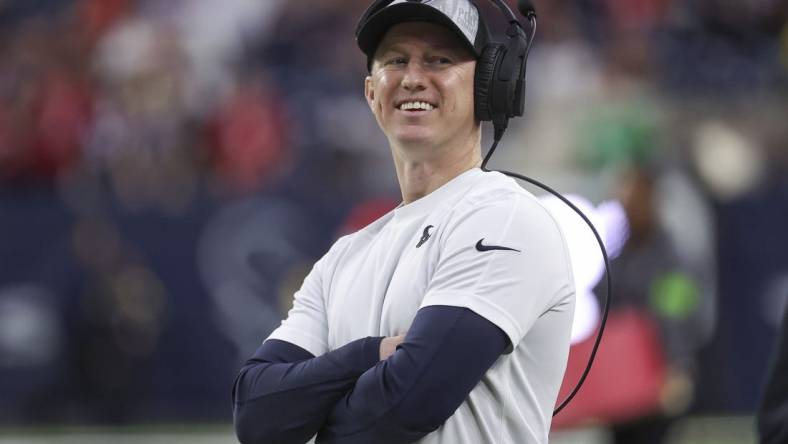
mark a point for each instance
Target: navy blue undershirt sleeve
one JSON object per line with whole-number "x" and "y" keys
{"x": 283, "y": 393}
{"x": 402, "y": 399}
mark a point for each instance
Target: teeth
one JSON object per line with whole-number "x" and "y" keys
{"x": 417, "y": 105}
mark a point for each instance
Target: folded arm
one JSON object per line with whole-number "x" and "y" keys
{"x": 283, "y": 393}
{"x": 402, "y": 399}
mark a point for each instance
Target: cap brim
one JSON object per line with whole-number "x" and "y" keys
{"x": 372, "y": 32}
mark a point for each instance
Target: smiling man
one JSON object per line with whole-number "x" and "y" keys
{"x": 448, "y": 319}
{"x": 421, "y": 92}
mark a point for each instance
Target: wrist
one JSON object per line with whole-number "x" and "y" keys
{"x": 370, "y": 350}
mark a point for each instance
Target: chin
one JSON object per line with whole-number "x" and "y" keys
{"x": 414, "y": 138}
{"x": 415, "y": 145}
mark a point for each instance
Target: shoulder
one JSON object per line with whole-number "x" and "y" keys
{"x": 499, "y": 211}
{"x": 500, "y": 198}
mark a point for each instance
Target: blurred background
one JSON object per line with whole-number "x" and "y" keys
{"x": 171, "y": 169}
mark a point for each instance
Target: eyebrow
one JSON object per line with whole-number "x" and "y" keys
{"x": 397, "y": 47}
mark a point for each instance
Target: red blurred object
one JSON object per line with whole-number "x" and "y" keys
{"x": 42, "y": 129}
{"x": 251, "y": 132}
{"x": 626, "y": 378}
{"x": 63, "y": 114}
{"x": 365, "y": 213}
{"x": 98, "y": 16}
{"x": 637, "y": 14}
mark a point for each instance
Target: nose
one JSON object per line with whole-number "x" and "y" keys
{"x": 414, "y": 78}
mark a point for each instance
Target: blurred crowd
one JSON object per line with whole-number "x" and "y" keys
{"x": 169, "y": 169}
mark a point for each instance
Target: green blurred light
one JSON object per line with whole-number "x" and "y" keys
{"x": 622, "y": 134}
{"x": 674, "y": 295}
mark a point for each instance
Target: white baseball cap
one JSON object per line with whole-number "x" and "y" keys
{"x": 460, "y": 16}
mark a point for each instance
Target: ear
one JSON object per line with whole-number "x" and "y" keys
{"x": 369, "y": 91}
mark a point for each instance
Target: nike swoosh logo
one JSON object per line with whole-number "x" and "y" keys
{"x": 482, "y": 247}
{"x": 424, "y": 236}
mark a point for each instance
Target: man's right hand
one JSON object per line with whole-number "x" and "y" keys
{"x": 389, "y": 345}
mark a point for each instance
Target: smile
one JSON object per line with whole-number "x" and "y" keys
{"x": 416, "y": 106}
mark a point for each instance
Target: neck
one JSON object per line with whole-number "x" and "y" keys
{"x": 420, "y": 175}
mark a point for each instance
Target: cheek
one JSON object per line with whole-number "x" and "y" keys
{"x": 461, "y": 89}
{"x": 382, "y": 94}
{"x": 468, "y": 99}
{"x": 468, "y": 87}
{"x": 462, "y": 102}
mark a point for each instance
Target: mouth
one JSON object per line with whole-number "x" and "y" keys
{"x": 416, "y": 106}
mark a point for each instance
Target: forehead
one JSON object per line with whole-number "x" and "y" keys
{"x": 423, "y": 34}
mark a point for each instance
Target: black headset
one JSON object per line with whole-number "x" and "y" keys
{"x": 499, "y": 95}
{"x": 499, "y": 85}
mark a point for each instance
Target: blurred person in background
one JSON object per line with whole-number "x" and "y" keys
{"x": 652, "y": 280}
{"x": 446, "y": 320}
{"x": 45, "y": 100}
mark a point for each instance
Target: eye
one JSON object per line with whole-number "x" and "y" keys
{"x": 396, "y": 61}
{"x": 440, "y": 60}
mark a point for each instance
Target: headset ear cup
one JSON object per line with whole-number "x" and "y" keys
{"x": 483, "y": 81}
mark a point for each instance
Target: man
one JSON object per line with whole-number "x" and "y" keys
{"x": 470, "y": 266}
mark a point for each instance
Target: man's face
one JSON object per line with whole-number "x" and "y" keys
{"x": 421, "y": 86}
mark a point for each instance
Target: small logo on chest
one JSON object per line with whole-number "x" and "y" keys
{"x": 424, "y": 236}
{"x": 481, "y": 247}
